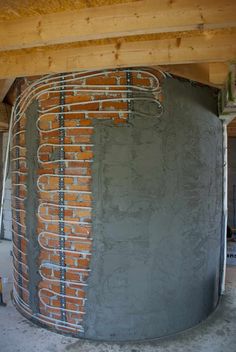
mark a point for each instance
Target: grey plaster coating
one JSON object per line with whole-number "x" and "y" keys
{"x": 232, "y": 182}
{"x": 31, "y": 202}
{"x": 157, "y": 212}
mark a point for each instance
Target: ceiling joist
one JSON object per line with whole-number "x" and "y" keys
{"x": 218, "y": 73}
{"x": 198, "y": 72}
{"x": 149, "y": 50}
{"x": 213, "y": 74}
{"x": 118, "y": 20}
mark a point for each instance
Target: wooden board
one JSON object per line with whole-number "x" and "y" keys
{"x": 14, "y": 9}
{"x": 149, "y": 50}
{"x": 117, "y": 20}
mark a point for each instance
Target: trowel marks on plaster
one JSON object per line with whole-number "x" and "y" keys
{"x": 31, "y": 203}
{"x": 157, "y": 195}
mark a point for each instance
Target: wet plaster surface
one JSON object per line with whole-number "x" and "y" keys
{"x": 216, "y": 334}
{"x": 157, "y": 213}
{"x": 231, "y": 181}
{"x": 31, "y": 202}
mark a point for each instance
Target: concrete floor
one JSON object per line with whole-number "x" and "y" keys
{"x": 17, "y": 334}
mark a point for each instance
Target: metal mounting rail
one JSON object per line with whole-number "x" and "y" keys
{"x": 61, "y": 203}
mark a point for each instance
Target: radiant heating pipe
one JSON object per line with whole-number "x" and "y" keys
{"x": 225, "y": 202}
{"x": 63, "y": 84}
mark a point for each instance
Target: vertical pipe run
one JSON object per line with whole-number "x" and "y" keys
{"x": 17, "y": 215}
{"x": 225, "y": 201}
{"x": 129, "y": 93}
{"x": 61, "y": 201}
{"x": 234, "y": 208}
{"x": 1, "y": 175}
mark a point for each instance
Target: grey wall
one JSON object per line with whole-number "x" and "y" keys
{"x": 157, "y": 219}
{"x": 31, "y": 203}
{"x": 232, "y": 182}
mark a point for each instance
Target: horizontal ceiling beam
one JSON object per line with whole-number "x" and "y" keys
{"x": 119, "y": 20}
{"x": 213, "y": 74}
{"x": 150, "y": 50}
{"x": 218, "y": 73}
{"x": 194, "y": 72}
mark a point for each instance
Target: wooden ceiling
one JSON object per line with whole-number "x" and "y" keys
{"x": 195, "y": 39}
{"x": 38, "y": 37}
{"x": 15, "y": 9}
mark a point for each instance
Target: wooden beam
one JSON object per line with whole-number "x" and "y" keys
{"x": 15, "y": 9}
{"x": 133, "y": 18}
{"x": 210, "y": 46}
{"x": 218, "y": 73}
{"x": 193, "y": 72}
{"x": 212, "y": 74}
{"x": 5, "y": 85}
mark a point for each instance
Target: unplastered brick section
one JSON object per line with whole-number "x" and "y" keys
{"x": 64, "y": 215}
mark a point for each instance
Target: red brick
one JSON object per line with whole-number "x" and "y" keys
{"x": 73, "y": 135}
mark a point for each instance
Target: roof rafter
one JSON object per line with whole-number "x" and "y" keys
{"x": 117, "y": 20}
{"x": 150, "y": 50}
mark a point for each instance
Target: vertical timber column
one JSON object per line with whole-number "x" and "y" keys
{"x": 61, "y": 201}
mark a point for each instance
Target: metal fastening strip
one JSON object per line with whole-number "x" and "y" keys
{"x": 129, "y": 92}
{"x": 17, "y": 215}
{"x": 61, "y": 203}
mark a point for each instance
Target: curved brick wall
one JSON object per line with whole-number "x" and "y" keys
{"x": 116, "y": 206}
{"x": 52, "y": 157}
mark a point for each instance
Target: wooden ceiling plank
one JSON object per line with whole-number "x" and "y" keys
{"x": 15, "y": 9}
{"x": 199, "y": 48}
{"x": 133, "y": 18}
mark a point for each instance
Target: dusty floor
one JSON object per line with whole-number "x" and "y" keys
{"x": 216, "y": 334}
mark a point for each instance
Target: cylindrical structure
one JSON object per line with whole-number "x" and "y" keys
{"x": 117, "y": 204}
